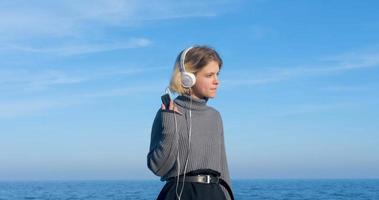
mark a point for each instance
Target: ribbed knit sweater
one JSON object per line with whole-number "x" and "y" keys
{"x": 207, "y": 140}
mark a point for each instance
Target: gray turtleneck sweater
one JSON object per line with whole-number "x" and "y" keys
{"x": 207, "y": 140}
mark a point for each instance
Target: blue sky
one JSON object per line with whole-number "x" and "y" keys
{"x": 80, "y": 83}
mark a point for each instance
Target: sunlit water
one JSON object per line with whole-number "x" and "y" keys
{"x": 356, "y": 189}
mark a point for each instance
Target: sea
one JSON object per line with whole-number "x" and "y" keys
{"x": 275, "y": 189}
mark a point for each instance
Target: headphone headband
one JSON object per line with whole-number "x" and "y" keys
{"x": 182, "y": 59}
{"x": 188, "y": 79}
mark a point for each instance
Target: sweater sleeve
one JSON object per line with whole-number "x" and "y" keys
{"x": 163, "y": 144}
{"x": 224, "y": 163}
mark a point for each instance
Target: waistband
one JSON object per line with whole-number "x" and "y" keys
{"x": 206, "y": 179}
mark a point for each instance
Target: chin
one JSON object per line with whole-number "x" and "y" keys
{"x": 211, "y": 96}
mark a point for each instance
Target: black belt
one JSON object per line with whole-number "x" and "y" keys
{"x": 207, "y": 179}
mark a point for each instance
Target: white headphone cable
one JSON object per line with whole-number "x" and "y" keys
{"x": 188, "y": 153}
{"x": 189, "y": 147}
{"x": 177, "y": 158}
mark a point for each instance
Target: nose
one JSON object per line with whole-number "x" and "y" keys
{"x": 216, "y": 81}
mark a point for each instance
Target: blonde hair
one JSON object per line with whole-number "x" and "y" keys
{"x": 196, "y": 58}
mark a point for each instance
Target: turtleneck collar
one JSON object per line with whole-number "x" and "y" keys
{"x": 185, "y": 101}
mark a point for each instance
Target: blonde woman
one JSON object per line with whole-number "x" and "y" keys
{"x": 187, "y": 148}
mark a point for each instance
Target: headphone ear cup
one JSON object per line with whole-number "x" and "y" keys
{"x": 188, "y": 79}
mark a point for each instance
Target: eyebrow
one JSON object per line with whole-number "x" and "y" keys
{"x": 213, "y": 72}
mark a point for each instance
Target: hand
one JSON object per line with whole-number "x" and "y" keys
{"x": 171, "y": 107}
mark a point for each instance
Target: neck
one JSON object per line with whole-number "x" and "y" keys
{"x": 195, "y": 104}
{"x": 197, "y": 97}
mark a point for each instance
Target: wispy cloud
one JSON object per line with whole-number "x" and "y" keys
{"x": 66, "y": 27}
{"x": 37, "y": 106}
{"x": 346, "y": 88}
{"x": 312, "y": 108}
{"x": 23, "y": 108}
{"x": 35, "y": 79}
{"x": 329, "y": 65}
{"x": 115, "y": 92}
{"x": 67, "y": 17}
{"x": 354, "y": 60}
{"x": 43, "y": 79}
{"x": 259, "y": 32}
{"x": 83, "y": 48}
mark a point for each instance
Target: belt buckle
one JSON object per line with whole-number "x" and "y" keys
{"x": 208, "y": 179}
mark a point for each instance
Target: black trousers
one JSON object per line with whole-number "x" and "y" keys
{"x": 193, "y": 191}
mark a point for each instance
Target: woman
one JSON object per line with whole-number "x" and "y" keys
{"x": 187, "y": 148}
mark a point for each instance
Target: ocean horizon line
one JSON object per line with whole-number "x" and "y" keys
{"x": 142, "y": 180}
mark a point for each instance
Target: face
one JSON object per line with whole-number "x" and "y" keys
{"x": 206, "y": 81}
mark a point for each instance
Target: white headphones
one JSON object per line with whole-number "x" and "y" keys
{"x": 188, "y": 79}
